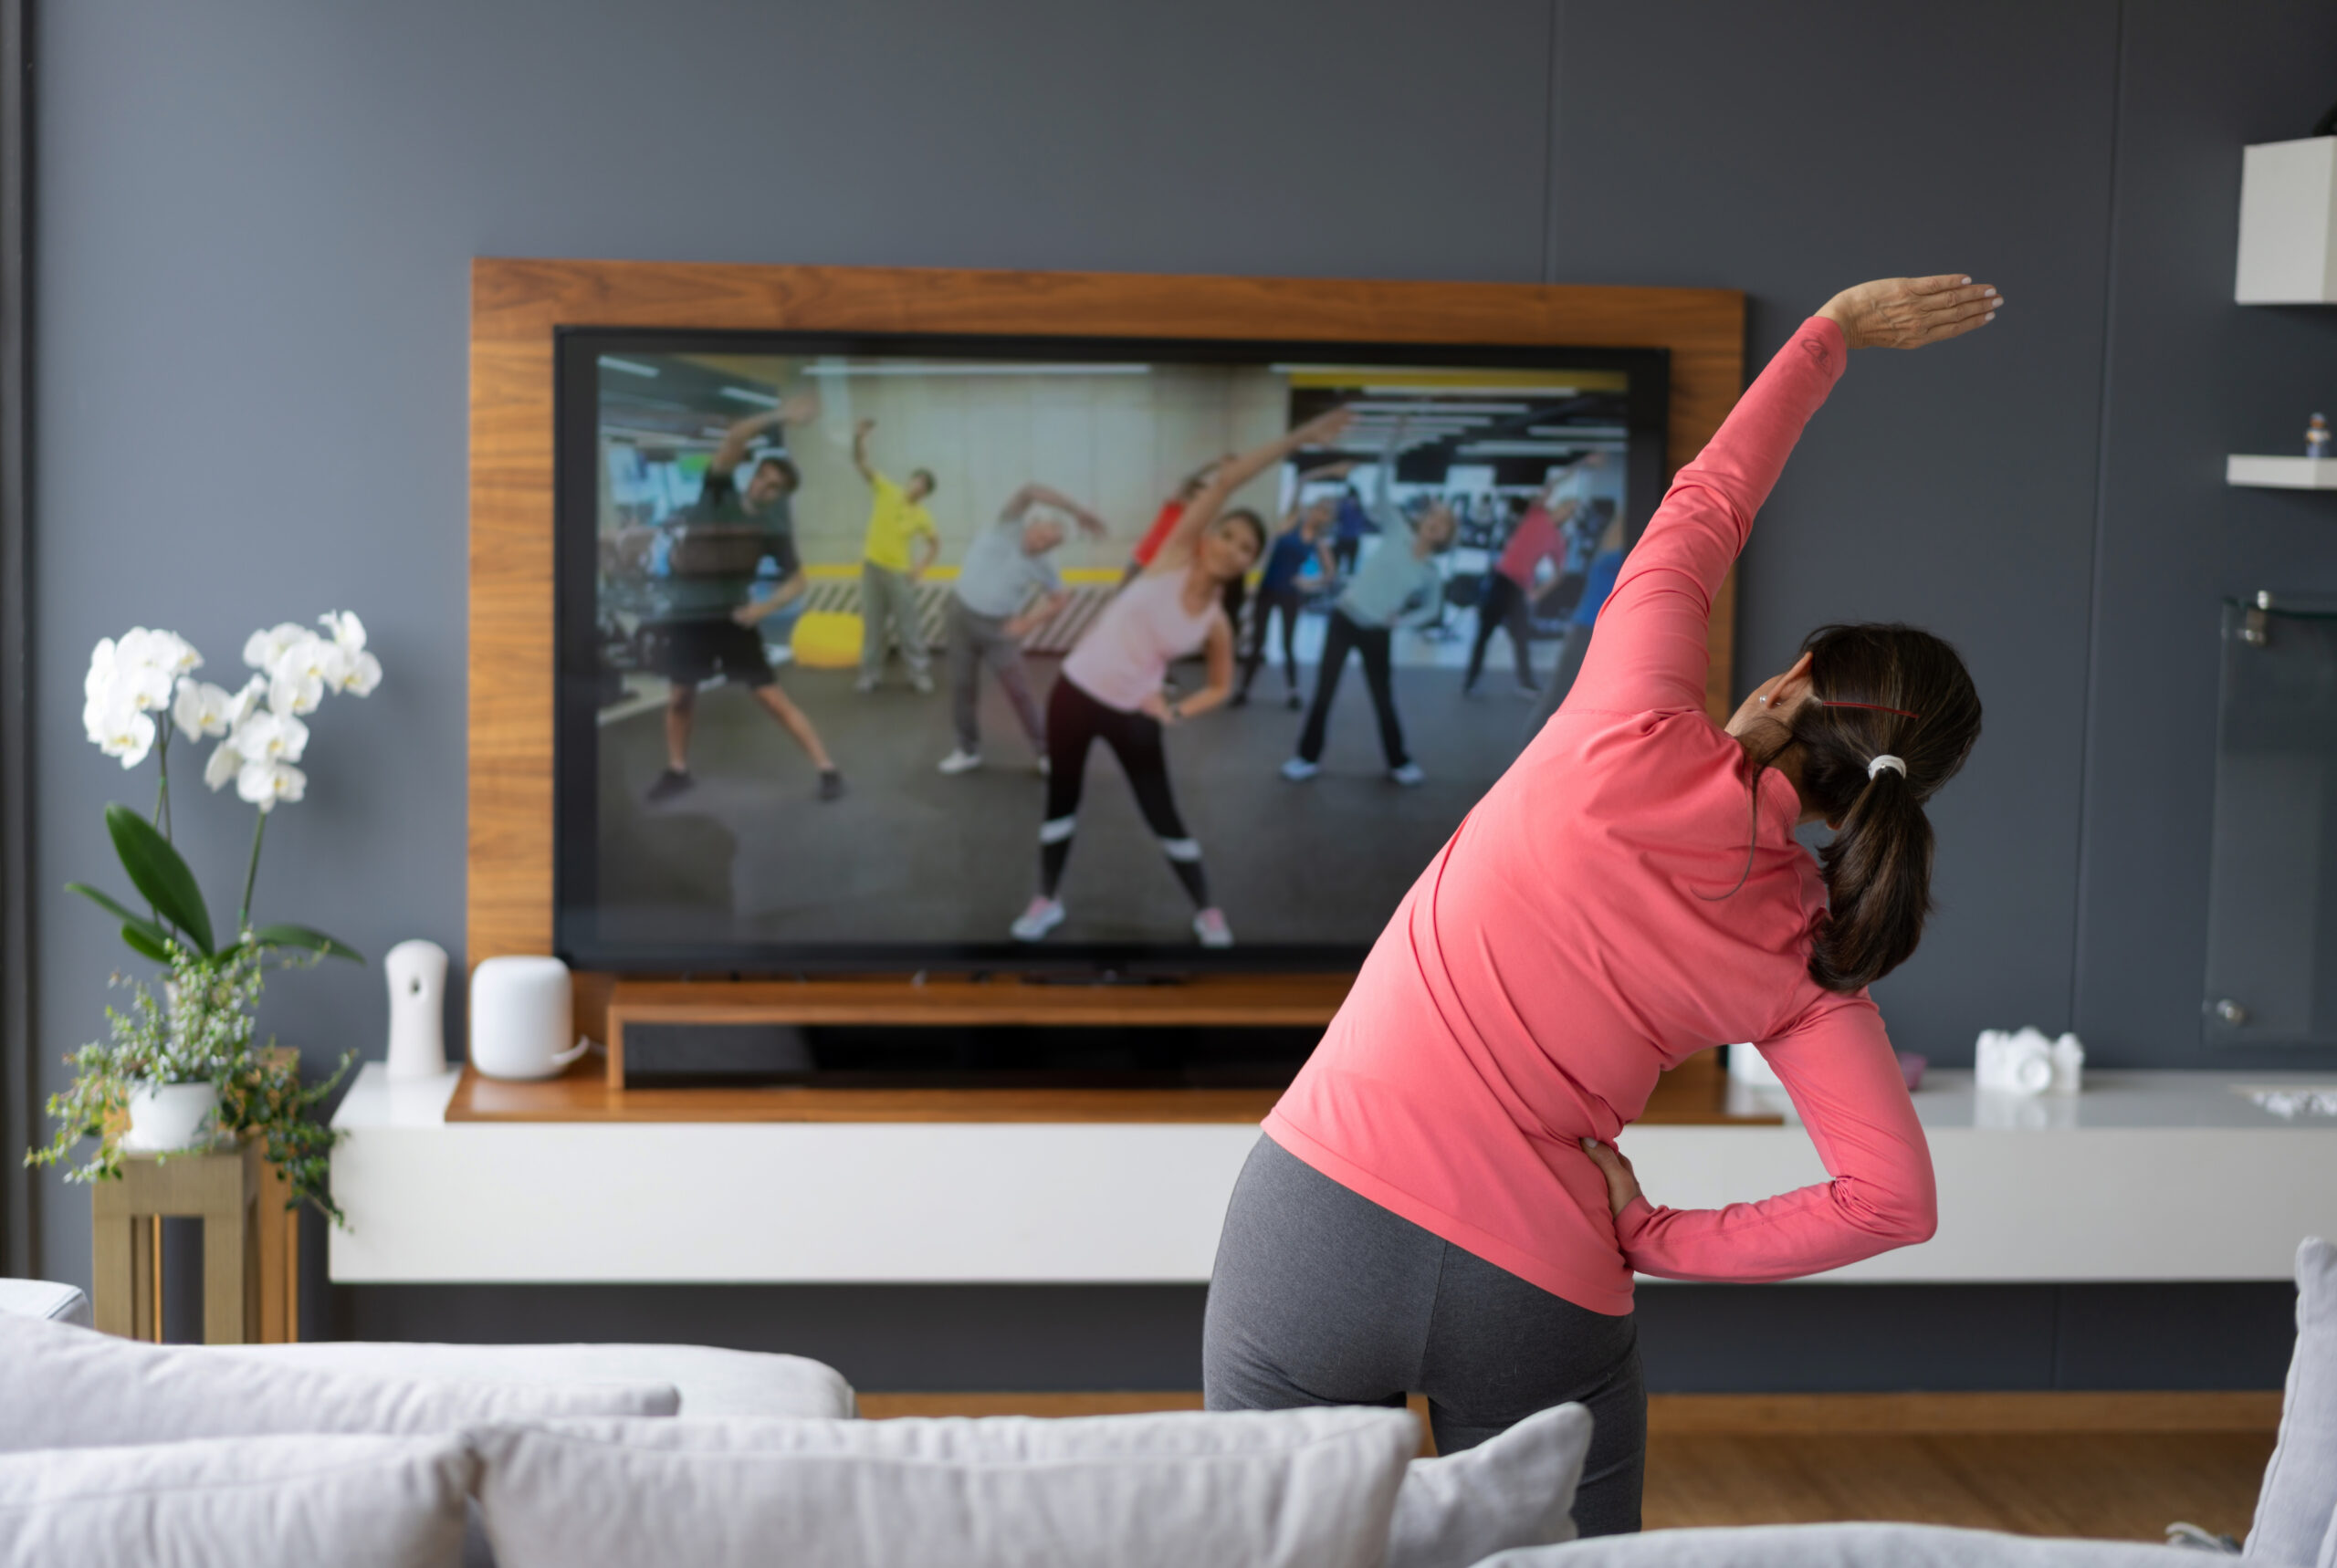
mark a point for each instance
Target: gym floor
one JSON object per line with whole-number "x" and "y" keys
{"x": 911, "y": 855}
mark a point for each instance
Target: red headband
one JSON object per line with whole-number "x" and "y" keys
{"x": 1872, "y": 707}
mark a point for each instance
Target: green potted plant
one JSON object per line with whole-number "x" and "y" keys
{"x": 181, "y": 1070}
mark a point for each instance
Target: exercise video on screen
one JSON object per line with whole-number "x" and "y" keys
{"x": 958, "y": 652}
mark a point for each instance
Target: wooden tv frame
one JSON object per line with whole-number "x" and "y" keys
{"x": 518, "y": 304}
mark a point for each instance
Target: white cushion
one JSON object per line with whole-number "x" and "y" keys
{"x": 43, "y": 1298}
{"x": 1245, "y": 1489}
{"x": 1515, "y": 1489}
{"x": 710, "y": 1382}
{"x": 1839, "y": 1546}
{"x": 240, "y": 1503}
{"x": 66, "y": 1388}
{"x": 2294, "y": 1509}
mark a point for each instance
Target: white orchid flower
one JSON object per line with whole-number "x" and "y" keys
{"x": 270, "y": 736}
{"x": 143, "y": 675}
{"x": 246, "y": 702}
{"x": 226, "y": 763}
{"x": 298, "y": 679}
{"x": 347, "y": 630}
{"x": 166, "y": 649}
{"x": 201, "y": 708}
{"x": 361, "y": 674}
{"x": 105, "y": 672}
{"x": 120, "y": 730}
{"x": 262, "y": 649}
{"x": 265, "y": 783}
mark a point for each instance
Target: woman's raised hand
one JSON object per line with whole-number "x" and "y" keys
{"x": 1909, "y": 312}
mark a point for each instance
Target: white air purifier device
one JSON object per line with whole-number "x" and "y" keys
{"x": 522, "y": 1019}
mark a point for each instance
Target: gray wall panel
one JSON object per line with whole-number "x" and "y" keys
{"x": 1953, "y": 488}
{"x": 2192, "y": 376}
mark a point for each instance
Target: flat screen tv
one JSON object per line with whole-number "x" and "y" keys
{"x": 885, "y": 553}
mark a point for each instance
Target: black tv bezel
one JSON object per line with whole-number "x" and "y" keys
{"x": 577, "y": 350}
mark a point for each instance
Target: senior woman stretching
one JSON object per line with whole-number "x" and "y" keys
{"x": 1437, "y": 1206}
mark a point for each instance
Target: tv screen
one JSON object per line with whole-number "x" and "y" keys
{"x": 869, "y": 644}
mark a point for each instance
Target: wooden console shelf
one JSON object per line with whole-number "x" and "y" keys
{"x": 1694, "y": 1094}
{"x": 1216, "y": 1001}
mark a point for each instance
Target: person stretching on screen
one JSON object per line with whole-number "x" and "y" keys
{"x": 1438, "y": 1206}
{"x": 1298, "y": 540}
{"x": 989, "y": 615}
{"x": 1165, "y": 520}
{"x": 1506, "y": 603}
{"x": 1599, "y": 573}
{"x": 709, "y": 622}
{"x": 900, "y": 544}
{"x": 1110, "y": 688}
{"x": 1364, "y": 619}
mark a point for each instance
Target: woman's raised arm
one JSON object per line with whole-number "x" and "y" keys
{"x": 1176, "y": 551}
{"x": 1650, "y": 652}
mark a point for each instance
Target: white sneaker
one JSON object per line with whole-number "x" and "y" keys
{"x": 1042, "y": 916}
{"x": 961, "y": 761}
{"x": 922, "y": 682}
{"x": 864, "y": 684}
{"x": 1408, "y": 775}
{"x": 1210, "y": 928}
{"x": 1298, "y": 769}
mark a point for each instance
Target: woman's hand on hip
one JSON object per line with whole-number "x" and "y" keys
{"x": 1909, "y": 312}
{"x": 1623, "y": 1186}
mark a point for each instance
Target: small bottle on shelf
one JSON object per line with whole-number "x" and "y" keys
{"x": 2316, "y": 437}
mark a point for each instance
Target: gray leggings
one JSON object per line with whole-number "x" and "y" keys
{"x": 1322, "y": 1297}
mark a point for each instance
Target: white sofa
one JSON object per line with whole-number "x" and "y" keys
{"x": 597, "y": 1456}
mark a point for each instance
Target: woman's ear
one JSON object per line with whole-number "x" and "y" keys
{"x": 1794, "y": 686}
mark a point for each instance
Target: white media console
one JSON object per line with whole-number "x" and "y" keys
{"x": 2146, "y": 1175}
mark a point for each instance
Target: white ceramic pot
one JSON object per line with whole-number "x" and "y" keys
{"x": 168, "y": 1116}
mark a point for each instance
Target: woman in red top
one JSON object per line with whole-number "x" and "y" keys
{"x": 1437, "y": 1206}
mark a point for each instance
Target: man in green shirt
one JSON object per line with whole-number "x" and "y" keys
{"x": 900, "y": 544}
{"x": 706, "y": 608}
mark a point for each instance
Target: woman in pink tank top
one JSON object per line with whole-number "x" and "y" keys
{"x": 1110, "y": 686}
{"x": 1438, "y": 1206}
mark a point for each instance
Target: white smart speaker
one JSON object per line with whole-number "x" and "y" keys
{"x": 521, "y": 1018}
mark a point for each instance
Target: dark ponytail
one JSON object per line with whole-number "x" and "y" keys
{"x": 1883, "y": 691}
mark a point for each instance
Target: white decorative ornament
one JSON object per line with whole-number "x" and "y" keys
{"x": 2026, "y": 1062}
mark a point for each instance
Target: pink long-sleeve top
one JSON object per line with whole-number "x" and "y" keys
{"x": 1577, "y": 936}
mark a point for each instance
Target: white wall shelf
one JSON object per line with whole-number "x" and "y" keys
{"x": 2287, "y": 224}
{"x": 2133, "y": 1179}
{"x": 2281, "y": 473}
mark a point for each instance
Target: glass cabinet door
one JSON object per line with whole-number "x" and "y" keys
{"x": 2272, "y": 895}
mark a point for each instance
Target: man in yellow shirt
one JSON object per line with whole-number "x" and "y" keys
{"x": 901, "y": 543}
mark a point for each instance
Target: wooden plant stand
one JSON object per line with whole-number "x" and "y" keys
{"x": 251, "y": 1246}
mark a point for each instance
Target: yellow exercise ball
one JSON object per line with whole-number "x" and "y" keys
{"x": 825, "y": 640}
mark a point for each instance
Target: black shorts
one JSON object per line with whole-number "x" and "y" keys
{"x": 689, "y": 653}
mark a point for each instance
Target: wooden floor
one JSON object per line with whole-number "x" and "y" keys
{"x": 2105, "y": 1465}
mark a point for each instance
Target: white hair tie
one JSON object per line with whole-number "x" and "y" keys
{"x": 1883, "y": 761}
